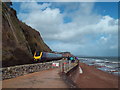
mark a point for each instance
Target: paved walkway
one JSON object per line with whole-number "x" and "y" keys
{"x": 43, "y": 79}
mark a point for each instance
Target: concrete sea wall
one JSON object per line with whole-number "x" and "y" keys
{"x": 68, "y": 76}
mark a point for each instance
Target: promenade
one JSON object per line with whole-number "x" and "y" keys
{"x": 43, "y": 79}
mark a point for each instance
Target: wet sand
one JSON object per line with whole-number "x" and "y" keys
{"x": 93, "y": 78}
{"x": 43, "y": 79}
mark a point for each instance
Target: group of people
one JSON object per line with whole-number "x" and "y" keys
{"x": 72, "y": 58}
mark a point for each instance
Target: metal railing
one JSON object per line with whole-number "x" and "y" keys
{"x": 67, "y": 65}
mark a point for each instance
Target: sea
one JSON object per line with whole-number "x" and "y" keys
{"x": 107, "y": 64}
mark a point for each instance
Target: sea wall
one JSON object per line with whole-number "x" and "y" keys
{"x": 89, "y": 76}
{"x": 69, "y": 75}
{"x": 73, "y": 70}
{"x": 15, "y": 71}
{"x": 68, "y": 67}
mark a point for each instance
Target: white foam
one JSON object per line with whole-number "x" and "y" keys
{"x": 80, "y": 70}
{"x": 115, "y": 62}
{"x": 100, "y": 64}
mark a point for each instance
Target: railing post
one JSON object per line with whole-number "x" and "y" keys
{"x": 69, "y": 64}
{"x": 63, "y": 67}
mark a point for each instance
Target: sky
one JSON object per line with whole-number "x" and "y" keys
{"x": 82, "y": 28}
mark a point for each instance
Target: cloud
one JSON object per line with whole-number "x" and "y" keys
{"x": 103, "y": 39}
{"x": 31, "y": 6}
{"x": 87, "y": 33}
{"x": 61, "y": 0}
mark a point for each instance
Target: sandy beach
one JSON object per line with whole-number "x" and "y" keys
{"x": 93, "y": 78}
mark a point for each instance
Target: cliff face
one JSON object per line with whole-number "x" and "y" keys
{"x": 34, "y": 39}
{"x": 19, "y": 41}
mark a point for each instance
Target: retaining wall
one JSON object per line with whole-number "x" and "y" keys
{"x": 68, "y": 76}
{"x": 11, "y": 72}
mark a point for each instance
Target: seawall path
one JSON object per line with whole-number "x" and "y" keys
{"x": 43, "y": 79}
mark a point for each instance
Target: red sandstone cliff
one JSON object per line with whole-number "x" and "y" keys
{"x": 19, "y": 41}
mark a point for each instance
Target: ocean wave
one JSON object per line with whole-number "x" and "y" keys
{"x": 103, "y": 64}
